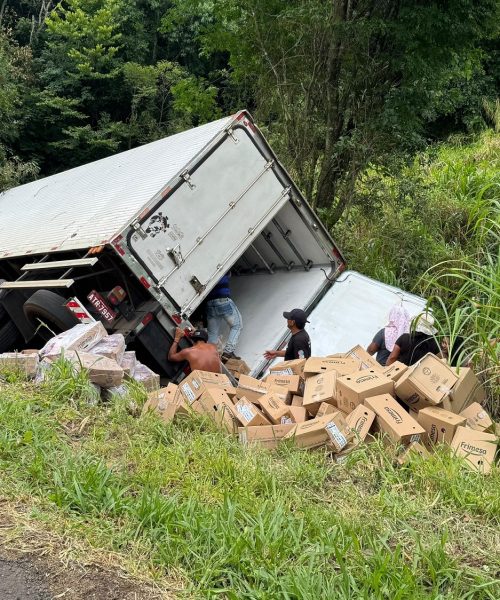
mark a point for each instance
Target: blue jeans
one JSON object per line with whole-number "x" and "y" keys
{"x": 219, "y": 311}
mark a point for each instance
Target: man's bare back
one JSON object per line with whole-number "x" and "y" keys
{"x": 202, "y": 356}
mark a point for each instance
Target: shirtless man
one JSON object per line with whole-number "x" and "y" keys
{"x": 201, "y": 355}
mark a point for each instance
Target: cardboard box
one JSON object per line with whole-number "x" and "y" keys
{"x": 326, "y": 409}
{"x": 248, "y": 414}
{"x": 467, "y": 390}
{"x": 292, "y": 383}
{"x": 215, "y": 403}
{"x": 237, "y": 367}
{"x": 364, "y": 360}
{"x": 162, "y": 401}
{"x": 477, "y": 418}
{"x": 299, "y": 413}
{"x": 149, "y": 379}
{"x": 193, "y": 386}
{"x": 251, "y": 388}
{"x": 414, "y": 414}
{"x": 415, "y": 448}
{"x": 267, "y": 436}
{"x": 24, "y": 363}
{"x": 289, "y": 367}
{"x": 342, "y": 365}
{"x": 393, "y": 420}
{"x": 339, "y": 433}
{"x": 313, "y": 433}
{"x": 111, "y": 346}
{"x": 395, "y": 371}
{"x": 426, "y": 384}
{"x": 360, "y": 421}
{"x": 81, "y": 338}
{"x": 128, "y": 363}
{"x": 102, "y": 371}
{"x": 439, "y": 424}
{"x": 318, "y": 389}
{"x": 297, "y": 401}
{"x": 274, "y": 407}
{"x": 478, "y": 448}
{"x": 353, "y": 389}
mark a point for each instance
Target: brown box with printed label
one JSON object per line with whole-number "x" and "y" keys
{"x": 353, "y": 389}
{"x": 216, "y": 403}
{"x": 237, "y": 367}
{"x": 439, "y": 424}
{"x": 274, "y": 407}
{"x": 251, "y": 388}
{"x": 248, "y": 414}
{"x": 294, "y": 384}
{"x": 289, "y": 367}
{"x": 360, "y": 421}
{"x": 467, "y": 390}
{"x": 193, "y": 386}
{"x": 326, "y": 409}
{"x": 267, "y": 436}
{"x": 395, "y": 371}
{"x": 162, "y": 402}
{"x": 363, "y": 359}
{"x": 477, "y": 418}
{"x": 393, "y": 420}
{"x": 426, "y": 384}
{"x": 342, "y": 365}
{"x": 311, "y": 433}
{"x": 476, "y": 447}
{"x": 318, "y": 389}
{"x": 297, "y": 401}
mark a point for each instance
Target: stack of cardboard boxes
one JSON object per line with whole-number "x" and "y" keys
{"x": 337, "y": 401}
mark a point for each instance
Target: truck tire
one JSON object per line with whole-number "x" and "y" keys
{"x": 49, "y": 307}
{"x": 9, "y": 335}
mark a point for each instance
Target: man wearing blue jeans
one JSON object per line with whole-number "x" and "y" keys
{"x": 222, "y": 309}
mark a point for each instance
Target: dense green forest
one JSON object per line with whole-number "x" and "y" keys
{"x": 385, "y": 113}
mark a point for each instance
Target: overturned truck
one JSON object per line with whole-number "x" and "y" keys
{"x": 137, "y": 240}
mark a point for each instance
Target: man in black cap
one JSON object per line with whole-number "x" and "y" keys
{"x": 299, "y": 345}
{"x": 201, "y": 355}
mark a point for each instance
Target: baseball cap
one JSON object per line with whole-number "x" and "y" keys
{"x": 298, "y": 315}
{"x": 200, "y": 334}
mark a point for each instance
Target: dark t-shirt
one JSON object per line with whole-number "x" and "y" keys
{"x": 382, "y": 352}
{"x": 299, "y": 346}
{"x": 415, "y": 346}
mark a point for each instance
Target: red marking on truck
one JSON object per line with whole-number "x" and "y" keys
{"x": 144, "y": 213}
{"x": 145, "y": 282}
{"x": 165, "y": 192}
{"x": 147, "y": 319}
{"x": 177, "y": 319}
{"x": 116, "y": 245}
{"x": 54, "y": 248}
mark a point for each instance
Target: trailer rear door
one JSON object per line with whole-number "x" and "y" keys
{"x": 218, "y": 206}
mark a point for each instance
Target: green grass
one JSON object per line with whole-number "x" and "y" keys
{"x": 184, "y": 502}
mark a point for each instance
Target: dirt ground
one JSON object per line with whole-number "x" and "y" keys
{"x": 35, "y": 564}
{"x": 30, "y": 578}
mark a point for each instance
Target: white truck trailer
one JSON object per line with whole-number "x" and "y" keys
{"x": 140, "y": 238}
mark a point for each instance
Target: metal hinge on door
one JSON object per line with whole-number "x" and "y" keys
{"x": 230, "y": 133}
{"x": 137, "y": 227}
{"x": 176, "y": 255}
{"x": 196, "y": 283}
{"x": 187, "y": 178}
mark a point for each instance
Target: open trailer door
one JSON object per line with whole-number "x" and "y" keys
{"x": 352, "y": 312}
{"x": 217, "y": 208}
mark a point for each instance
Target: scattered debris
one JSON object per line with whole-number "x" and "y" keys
{"x": 334, "y": 402}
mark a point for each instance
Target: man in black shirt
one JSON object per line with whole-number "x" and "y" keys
{"x": 411, "y": 347}
{"x": 299, "y": 345}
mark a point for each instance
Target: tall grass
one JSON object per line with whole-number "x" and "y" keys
{"x": 187, "y": 502}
